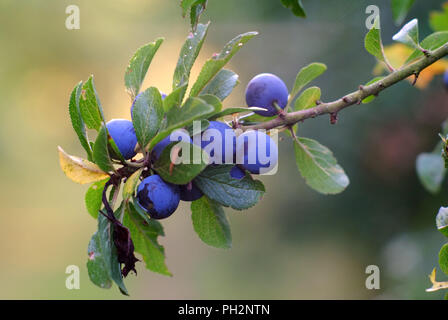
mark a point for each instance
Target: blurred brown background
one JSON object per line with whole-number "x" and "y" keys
{"x": 295, "y": 243}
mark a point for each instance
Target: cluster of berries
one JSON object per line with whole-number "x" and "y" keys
{"x": 247, "y": 151}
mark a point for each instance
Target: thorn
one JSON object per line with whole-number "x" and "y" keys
{"x": 416, "y": 74}
{"x": 333, "y": 118}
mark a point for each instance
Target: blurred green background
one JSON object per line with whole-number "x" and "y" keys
{"x": 296, "y": 243}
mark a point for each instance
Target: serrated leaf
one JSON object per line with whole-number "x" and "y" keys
{"x": 174, "y": 99}
{"x": 188, "y": 55}
{"x": 101, "y": 151}
{"x": 307, "y": 99}
{"x": 373, "y": 43}
{"x": 97, "y": 266}
{"x": 90, "y": 106}
{"x": 318, "y": 166}
{"x": 408, "y": 34}
{"x": 94, "y": 197}
{"x": 210, "y": 223}
{"x": 431, "y": 42}
{"x": 295, "y": 6}
{"x": 131, "y": 184}
{"x": 438, "y": 20}
{"x": 144, "y": 235}
{"x": 222, "y": 84}
{"x": 80, "y": 170}
{"x": 431, "y": 171}
{"x": 147, "y": 115}
{"x": 371, "y": 97}
{"x": 77, "y": 121}
{"x": 217, "y": 62}
{"x": 442, "y": 221}
{"x": 400, "y": 9}
{"x": 138, "y": 66}
{"x": 443, "y": 258}
{"x": 217, "y": 184}
{"x": 193, "y": 109}
{"x": 305, "y": 76}
{"x": 185, "y": 171}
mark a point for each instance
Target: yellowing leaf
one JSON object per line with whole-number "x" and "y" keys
{"x": 435, "y": 284}
{"x": 80, "y": 170}
{"x": 398, "y": 54}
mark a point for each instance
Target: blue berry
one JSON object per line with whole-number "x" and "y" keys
{"x": 190, "y": 192}
{"x": 263, "y": 91}
{"x": 222, "y": 141}
{"x": 123, "y": 134}
{"x": 256, "y": 151}
{"x": 157, "y": 197}
{"x": 445, "y": 78}
{"x": 177, "y": 135}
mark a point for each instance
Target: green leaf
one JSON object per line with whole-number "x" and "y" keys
{"x": 431, "y": 42}
{"x": 255, "y": 118}
{"x": 439, "y": 20}
{"x": 307, "y": 99}
{"x": 193, "y": 109}
{"x": 131, "y": 184}
{"x": 77, "y": 121}
{"x": 144, "y": 235}
{"x": 442, "y": 221}
{"x": 400, "y": 9}
{"x": 210, "y": 223}
{"x": 103, "y": 263}
{"x": 217, "y": 184}
{"x": 147, "y": 115}
{"x": 371, "y": 97}
{"x": 213, "y": 101}
{"x": 222, "y": 84}
{"x": 295, "y": 6}
{"x": 431, "y": 171}
{"x": 94, "y": 197}
{"x": 194, "y": 129}
{"x": 443, "y": 258}
{"x": 305, "y": 76}
{"x": 174, "y": 99}
{"x": 90, "y": 106}
{"x": 187, "y": 169}
{"x": 138, "y": 66}
{"x": 318, "y": 166}
{"x": 373, "y": 43}
{"x": 196, "y": 7}
{"x": 217, "y": 62}
{"x": 188, "y": 55}
{"x": 101, "y": 151}
{"x": 408, "y": 34}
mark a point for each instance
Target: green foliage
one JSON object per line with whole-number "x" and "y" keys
{"x": 90, "y": 107}
{"x": 210, "y": 223}
{"x": 400, "y": 9}
{"x": 442, "y": 221}
{"x": 101, "y": 151}
{"x": 138, "y": 66}
{"x": 295, "y": 6}
{"x": 318, "y": 166}
{"x": 371, "y": 97}
{"x": 131, "y": 184}
{"x": 431, "y": 171}
{"x": 93, "y": 198}
{"x": 217, "y": 184}
{"x": 373, "y": 42}
{"x": 431, "y": 42}
{"x": 408, "y": 35}
{"x": 443, "y": 258}
{"x": 196, "y": 8}
{"x": 102, "y": 263}
{"x": 185, "y": 171}
{"x": 308, "y": 98}
{"x": 77, "y": 121}
{"x": 147, "y": 115}
{"x": 216, "y": 63}
{"x": 222, "y": 84}
{"x": 187, "y": 57}
{"x": 144, "y": 234}
{"x": 305, "y": 76}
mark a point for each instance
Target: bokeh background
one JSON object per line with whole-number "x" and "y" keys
{"x": 296, "y": 243}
